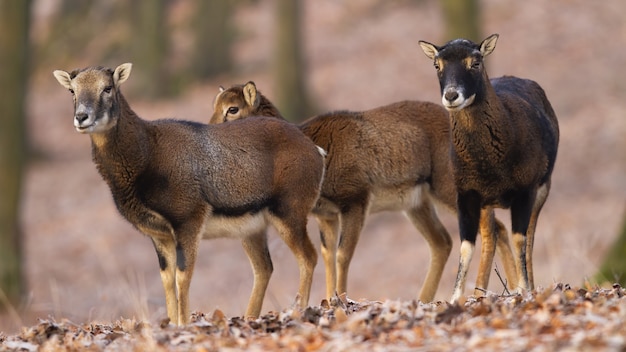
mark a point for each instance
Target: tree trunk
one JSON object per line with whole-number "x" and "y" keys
{"x": 462, "y": 18}
{"x": 213, "y": 36}
{"x": 14, "y": 24}
{"x": 291, "y": 95}
{"x": 150, "y": 46}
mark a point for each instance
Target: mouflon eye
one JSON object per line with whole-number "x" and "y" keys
{"x": 232, "y": 110}
{"x": 107, "y": 89}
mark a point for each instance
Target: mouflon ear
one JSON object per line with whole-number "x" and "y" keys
{"x": 429, "y": 49}
{"x": 64, "y": 78}
{"x": 488, "y": 45}
{"x": 121, "y": 73}
{"x": 250, "y": 94}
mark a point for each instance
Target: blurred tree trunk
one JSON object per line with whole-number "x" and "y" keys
{"x": 14, "y": 24}
{"x": 613, "y": 269}
{"x": 291, "y": 95}
{"x": 213, "y": 36}
{"x": 462, "y": 18}
{"x": 150, "y": 45}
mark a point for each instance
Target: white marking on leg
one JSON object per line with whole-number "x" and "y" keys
{"x": 467, "y": 251}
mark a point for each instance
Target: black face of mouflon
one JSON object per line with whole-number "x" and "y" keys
{"x": 459, "y": 65}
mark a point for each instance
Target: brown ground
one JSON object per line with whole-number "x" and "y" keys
{"x": 558, "y": 318}
{"x": 84, "y": 262}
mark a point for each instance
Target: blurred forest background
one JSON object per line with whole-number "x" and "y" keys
{"x": 65, "y": 251}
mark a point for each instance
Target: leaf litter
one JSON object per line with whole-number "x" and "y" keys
{"x": 558, "y": 318}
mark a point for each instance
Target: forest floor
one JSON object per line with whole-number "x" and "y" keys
{"x": 91, "y": 275}
{"x": 559, "y": 318}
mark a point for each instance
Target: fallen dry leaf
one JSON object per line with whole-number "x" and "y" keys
{"x": 546, "y": 319}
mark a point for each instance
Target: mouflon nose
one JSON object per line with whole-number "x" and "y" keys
{"x": 81, "y": 117}
{"x": 451, "y": 95}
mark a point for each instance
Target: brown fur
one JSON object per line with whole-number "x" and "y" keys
{"x": 245, "y": 101}
{"x": 180, "y": 181}
{"x": 394, "y": 157}
{"x": 504, "y": 143}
